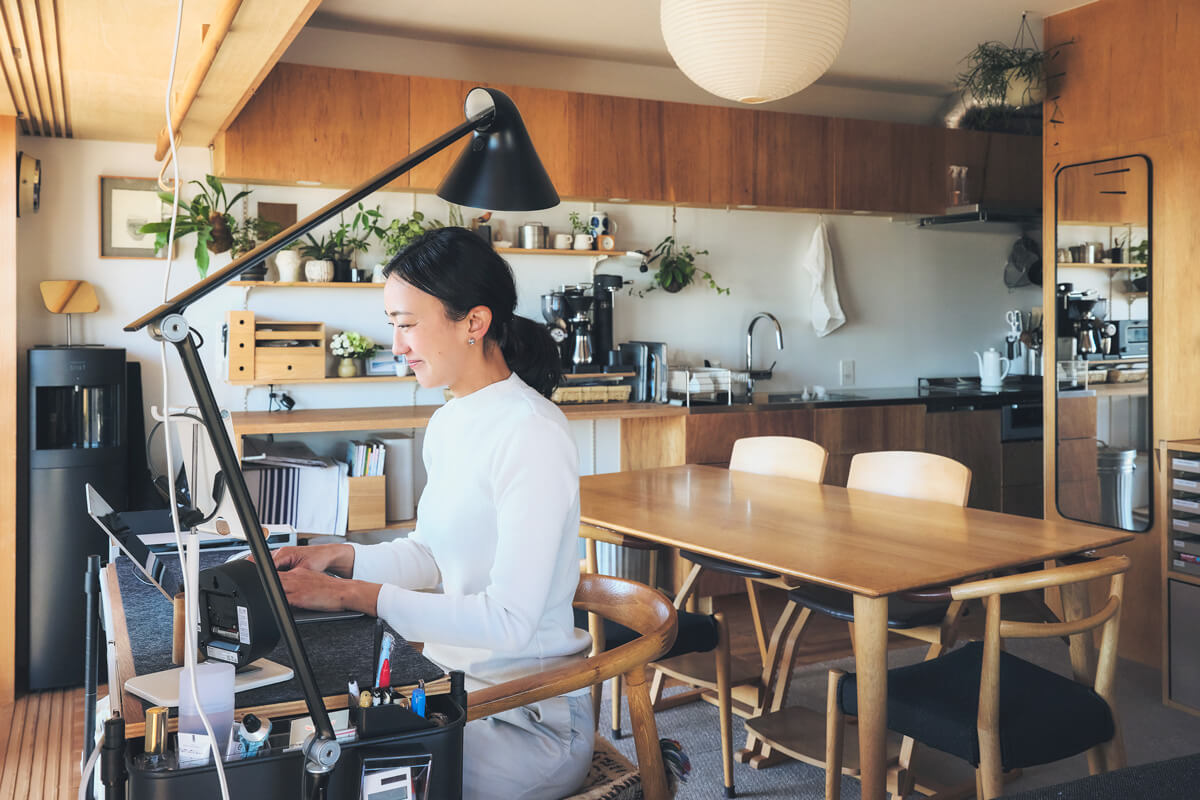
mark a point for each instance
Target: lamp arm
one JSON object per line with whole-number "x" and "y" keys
{"x": 179, "y": 302}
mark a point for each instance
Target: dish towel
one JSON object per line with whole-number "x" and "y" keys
{"x": 826, "y": 311}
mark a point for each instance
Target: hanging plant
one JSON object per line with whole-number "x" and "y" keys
{"x": 677, "y": 267}
{"x": 207, "y": 215}
{"x": 1005, "y": 85}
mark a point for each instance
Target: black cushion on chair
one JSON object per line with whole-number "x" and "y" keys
{"x": 727, "y": 567}
{"x": 902, "y": 613}
{"x": 1044, "y": 717}
{"x": 697, "y": 633}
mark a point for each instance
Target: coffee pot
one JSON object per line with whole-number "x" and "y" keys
{"x": 993, "y": 368}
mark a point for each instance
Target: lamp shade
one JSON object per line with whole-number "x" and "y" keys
{"x": 498, "y": 169}
{"x": 753, "y": 51}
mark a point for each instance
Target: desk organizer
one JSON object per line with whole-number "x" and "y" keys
{"x": 278, "y": 773}
{"x": 263, "y": 350}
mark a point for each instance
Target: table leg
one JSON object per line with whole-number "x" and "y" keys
{"x": 870, "y": 646}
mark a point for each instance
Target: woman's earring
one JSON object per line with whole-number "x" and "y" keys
{"x": 470, "y": 341}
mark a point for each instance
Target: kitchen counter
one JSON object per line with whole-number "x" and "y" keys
{"x": 934, "y": 399}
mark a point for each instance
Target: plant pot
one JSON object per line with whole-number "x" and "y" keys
{"x": 287, "y": 264}
{"x": 1022, "y": 90}
{"x": 341, "y": 270}
{"x": 318, "y": 271}
{"x": 1141, "y": 284}
{"x": 349, "y": 367}
{"x": 673, "y": 286}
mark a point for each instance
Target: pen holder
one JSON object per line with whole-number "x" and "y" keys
{"x": 383, "y": 720}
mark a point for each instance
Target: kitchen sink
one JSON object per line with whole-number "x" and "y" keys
{"x": 798, "y": 397}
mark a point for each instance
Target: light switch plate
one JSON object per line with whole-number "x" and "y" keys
{"x": 846, "y": 369}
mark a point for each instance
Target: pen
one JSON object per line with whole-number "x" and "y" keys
{"x": 383, "y": 675}
{"x": 418, "y": 699}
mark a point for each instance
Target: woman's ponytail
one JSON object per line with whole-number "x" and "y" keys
{"x": 530, "y": 352}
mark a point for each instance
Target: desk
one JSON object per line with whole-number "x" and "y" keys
{"x": 338, "y": 650}
{"x": 869, "y": 544}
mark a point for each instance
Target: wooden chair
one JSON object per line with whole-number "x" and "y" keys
{"x": 635, "y": 606}
{"x": 933, "y": 619}
{"x": 993, "y": 709}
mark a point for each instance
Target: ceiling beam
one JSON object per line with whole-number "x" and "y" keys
{"x": 116, "y": 58}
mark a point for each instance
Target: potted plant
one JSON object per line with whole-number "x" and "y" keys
{"x": 350, "y": 348}
{"x": 354, "y": 237}
{"x": 399, "y": 234}
{"x": 1006, "y": 84}
{"x": 677, "y": 267}
{"x": 320, "y": 252}
{"x": 1139, "y": 273}
{"x": 207, "y": 215}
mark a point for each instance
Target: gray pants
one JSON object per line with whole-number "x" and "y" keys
{"x": 537, "y": 752}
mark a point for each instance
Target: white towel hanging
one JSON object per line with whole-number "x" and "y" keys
{"x": 826, "y": 311}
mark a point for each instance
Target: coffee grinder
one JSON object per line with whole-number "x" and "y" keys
{"x": 554, "y": 311}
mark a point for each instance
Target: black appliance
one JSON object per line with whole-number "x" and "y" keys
{"x": 554, "y": 311}
{"x": 1021, "y": 422}
{"x": 579, "y": 325}
{"x": 1133, "y": 337}
{"x": 604, "y": 289}
{"x": 77, "y": 414}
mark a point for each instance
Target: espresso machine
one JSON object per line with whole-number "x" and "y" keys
{"x": 1082, "y": 330}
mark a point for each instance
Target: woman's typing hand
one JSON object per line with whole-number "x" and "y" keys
{"x": 337, "y": 558}
{"x": 307, "y": 588}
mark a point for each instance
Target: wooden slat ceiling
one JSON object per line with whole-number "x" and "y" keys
{"x": 97, "y": 69}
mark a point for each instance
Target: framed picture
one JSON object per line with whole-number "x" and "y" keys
{"x": 384, "y": 363}
{"x": 126, "y": 204}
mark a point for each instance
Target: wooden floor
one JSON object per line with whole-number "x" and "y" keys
{"x": 41, "y": 737}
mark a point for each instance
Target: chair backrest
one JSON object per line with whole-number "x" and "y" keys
{"x": 906, "y": 473}
{"x": 786, "y": 456}
{"x": 634, "y": 605}
{"x": 996, "y": 628}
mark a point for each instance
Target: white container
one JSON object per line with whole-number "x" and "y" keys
{"x": 214, "y": 682}
{"x": 287, "y": 264}
{"x": 398, "y": 468}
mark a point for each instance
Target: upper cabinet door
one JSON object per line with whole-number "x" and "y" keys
{"x": 792, "y": 167}
{"x": 318, "y": 124}
{"x": 708, "y": 154}
{"x": 886, "y": 166}
{"x": 616, "y": 147}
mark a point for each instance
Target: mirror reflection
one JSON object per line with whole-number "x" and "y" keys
{"x": 1102, "y": 329}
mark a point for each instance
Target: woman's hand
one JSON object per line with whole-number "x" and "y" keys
{"x": 307, "y": 588}
{"x": 336, "y": 558}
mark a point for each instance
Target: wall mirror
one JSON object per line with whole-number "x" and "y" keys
{"x": 1102, "y": 348}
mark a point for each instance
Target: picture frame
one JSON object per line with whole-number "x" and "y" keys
{"x": 384, "y": 363}
{"x": 125, "y": 205}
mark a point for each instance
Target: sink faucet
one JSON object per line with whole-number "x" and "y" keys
{"x": 760, "y": 374}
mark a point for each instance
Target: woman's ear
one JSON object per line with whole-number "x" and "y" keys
{"x": 479, "y": 321}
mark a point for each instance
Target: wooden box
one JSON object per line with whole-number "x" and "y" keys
{"x": 367, "y": 503}
{"x": 274, "y": 351}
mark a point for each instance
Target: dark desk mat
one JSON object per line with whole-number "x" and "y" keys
{"x": 338, "y": 651}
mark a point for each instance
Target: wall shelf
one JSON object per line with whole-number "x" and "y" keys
{"x": 1084, "y": 265}
{"x": 360, "y": 379}
{"x": 304, "y": 285}
{"x": 517, "y": 251}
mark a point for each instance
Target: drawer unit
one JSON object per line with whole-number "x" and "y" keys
{"x": 1183, "y": 609}
{"x": 1180, "y": 494}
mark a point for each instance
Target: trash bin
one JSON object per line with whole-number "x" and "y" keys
{"x": 1116, "y": 469}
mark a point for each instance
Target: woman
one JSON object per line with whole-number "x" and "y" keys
{"x": 495, "y": 545}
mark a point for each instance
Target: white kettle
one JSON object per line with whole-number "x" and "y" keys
{"x": 993, "y": 368}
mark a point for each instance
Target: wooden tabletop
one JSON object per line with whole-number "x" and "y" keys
{"x": 863, "y": 542}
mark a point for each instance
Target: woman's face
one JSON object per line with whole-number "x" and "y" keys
{"x": 435, "y": 345}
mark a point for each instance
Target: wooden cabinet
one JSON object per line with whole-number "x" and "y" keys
{"x": 340, "y": 127}
{"x": 858, "y": 429}
{"x": 1021, "y": 480}
{"x": 1106, "y": 194}
{"x": 710, "y": 437}
{"x": 1076, "y": 476}
{"x": 971, "y": 438}
{"x": 336, "y": 126}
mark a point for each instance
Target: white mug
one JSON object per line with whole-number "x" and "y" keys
{"x": 562, "y": 241}
{"x": 583, "y": 241}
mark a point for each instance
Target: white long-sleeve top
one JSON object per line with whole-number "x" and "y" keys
{"x": 495, "y": 546}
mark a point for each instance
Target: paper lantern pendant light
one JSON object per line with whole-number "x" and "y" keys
{"x": 753, "y": 51}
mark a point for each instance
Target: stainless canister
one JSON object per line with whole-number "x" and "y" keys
{"x": 533, "y": 236}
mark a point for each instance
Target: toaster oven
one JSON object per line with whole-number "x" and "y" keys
{"x": 1133, "y": 337}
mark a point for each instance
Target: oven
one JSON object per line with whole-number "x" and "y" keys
{"x": 1021, "y": 422}
{"x": 1133, "y": 337}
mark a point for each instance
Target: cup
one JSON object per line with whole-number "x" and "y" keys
{"x": 583, "y": 241}
{"x": 562, "y": 241}
{"x": 600, "y": 224}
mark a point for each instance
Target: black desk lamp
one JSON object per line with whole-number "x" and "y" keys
{"x": 498, "y": 170}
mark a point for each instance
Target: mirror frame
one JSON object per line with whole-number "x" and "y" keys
{"x": 1052, "y": 369}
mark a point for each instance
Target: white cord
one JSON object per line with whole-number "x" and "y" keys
{"x": 189, "y": 640}
{"x": 85, "y": 775}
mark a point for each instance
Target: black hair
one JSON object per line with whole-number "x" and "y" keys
{"x": 463, "y": 271}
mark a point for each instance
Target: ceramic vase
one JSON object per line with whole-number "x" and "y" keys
{"x": 287, "y": 263}
{"x": 347, "y": 368}
{"x": 319, "y": 271}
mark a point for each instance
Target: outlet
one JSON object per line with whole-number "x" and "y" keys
{"x": 846, "y": 368}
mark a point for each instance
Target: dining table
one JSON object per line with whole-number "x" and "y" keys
{"x": 869, "y": 544}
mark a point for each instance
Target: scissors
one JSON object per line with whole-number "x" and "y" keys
{"x": 1014, "y": 320}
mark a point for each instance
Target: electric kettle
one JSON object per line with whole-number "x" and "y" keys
{"x": 993, "y": 368}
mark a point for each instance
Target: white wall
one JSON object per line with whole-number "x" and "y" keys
{"x": 918, "y": 302}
